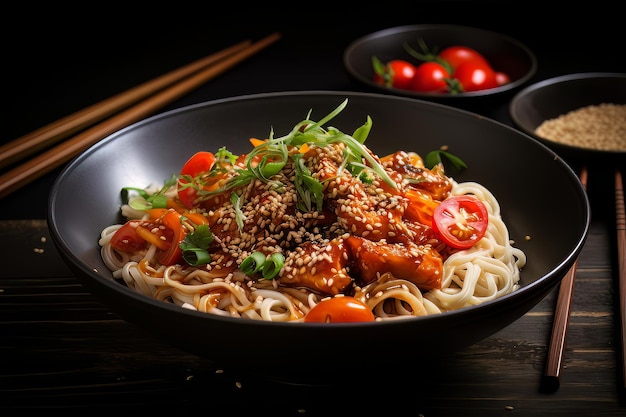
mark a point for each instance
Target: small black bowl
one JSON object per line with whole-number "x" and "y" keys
{"x": 503, "y": 52}
{"x": 554, "y": 97}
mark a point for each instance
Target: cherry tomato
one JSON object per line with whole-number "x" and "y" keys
{"x": 396, "y": 73}
{"x": 461, "y": 221}
{"x": 126, "y": 238}
{"x": 457, "y": 54}
{"x": 502, "y": 78}
{"x": 174, "y": 233}
{"x": 342, "y": 309}
{"x": 198, "y": 163}
{"x": 475, "y": 76}
{"x": 430, "y": 77}
{"x": 135, "y": 235}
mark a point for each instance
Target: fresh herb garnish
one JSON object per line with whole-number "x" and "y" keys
{"x": 145, "y": 200}
{"x": 236, "y": 200}
{"x": 273, "y": 265}
{"x": 253, "y": 263}
{"x": 257, "y": 262}
{"x": 270, "y": 157}
{"x": 195, "y": 246}
{"x": 434, "y": 158}
{"x": 310, "y": 190}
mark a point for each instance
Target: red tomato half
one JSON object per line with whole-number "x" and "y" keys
{"x": 456, "y": 55}
{"x": 430, "y": 77}
{"x": 339, "y": 310}
{"x": 126, "y": 238}
{"x": 174, "y": 234}
{"x": 199, "y": 163}
{"x": 475, "y": 76}
{"x": 461, "y": 221}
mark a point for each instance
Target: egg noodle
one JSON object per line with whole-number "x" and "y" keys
{"x": 329, "y": 219}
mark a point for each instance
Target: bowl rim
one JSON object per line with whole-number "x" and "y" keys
{"x": 96, "y": 280}
{"x": 354, "y": 72}
{"x": 514, "y": 110}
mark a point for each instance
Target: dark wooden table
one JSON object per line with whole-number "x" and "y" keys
{"x": 62, "y": 350}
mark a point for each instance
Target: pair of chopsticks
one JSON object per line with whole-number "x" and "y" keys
{"x": 124, "y": 109}
{"x": 554, "y": 362}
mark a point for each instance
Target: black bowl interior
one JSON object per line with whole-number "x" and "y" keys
{"x": 86, "y": 198}
{"x": 557, "y": 96}
{"x": 505, "y": 53}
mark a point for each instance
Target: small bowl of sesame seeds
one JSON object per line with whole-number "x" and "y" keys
{"x": 582, "y": 117}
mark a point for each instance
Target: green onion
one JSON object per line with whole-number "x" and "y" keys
{"x": 268, "y": 159}
{"x": 258, "y": 262}
{"x": 196, "y": 256}
{"x": 273, "y": 265}
{"x": 253, "y": 263}
{"x": 195, "y": 246}
{"x": 310, "y": 190}
{"x": 236, "y": 200}
{"x": 145, "y": 200}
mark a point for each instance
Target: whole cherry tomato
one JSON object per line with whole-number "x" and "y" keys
{"x": 457, "y": 54}
{"x": 396, "y": 73}
{"x": 430, "y": 77}
{"x": 474, "y": 76}
{"x": 461, "y": 221}
{"x": 502, "y": 78}
{"x": 343, "y": 309}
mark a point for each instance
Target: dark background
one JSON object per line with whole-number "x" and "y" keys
{"x": 59, "y": 59}
{"x": 64, "y": 350}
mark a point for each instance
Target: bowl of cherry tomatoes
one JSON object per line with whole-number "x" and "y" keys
{"x": 450, "y": 64}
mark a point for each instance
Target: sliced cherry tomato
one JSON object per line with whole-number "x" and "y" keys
{"x": 457, "y": 54}
{"x": 126, "y": 239}
{"x": 461, "y": 221}
{"x": 396, "y": 73}
{"x": 342, "y": 309}
{"x": 135, "y": 235}
{"x": 174, "y": 233}
{"x": 475, "y": 76}
{"x": 199, "y": 163}
{"x": 430, "y": 77}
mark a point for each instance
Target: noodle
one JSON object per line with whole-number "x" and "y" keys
{"x": 364, "y": 232}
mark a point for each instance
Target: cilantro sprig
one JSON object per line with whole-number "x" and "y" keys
{"x": 195, "y": 246}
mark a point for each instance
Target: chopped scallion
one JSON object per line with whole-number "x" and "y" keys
{"x": 253, "y": 263}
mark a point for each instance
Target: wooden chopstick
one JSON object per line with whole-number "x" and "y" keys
{"x": 56, "y": 156}
{"x": 45, "y": 136}
{"x": 620, "y": 222}
{"x": 554, "y": 362}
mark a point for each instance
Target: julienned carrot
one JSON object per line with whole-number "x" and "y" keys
{"x": 257, "y": 142}
{"x": 421, "y": 206}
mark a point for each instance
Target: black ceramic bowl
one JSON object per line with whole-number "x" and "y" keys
{"x": 555, "y": 97}
{"x": 503, "y": 52}
{"x": 86, "y": 198}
